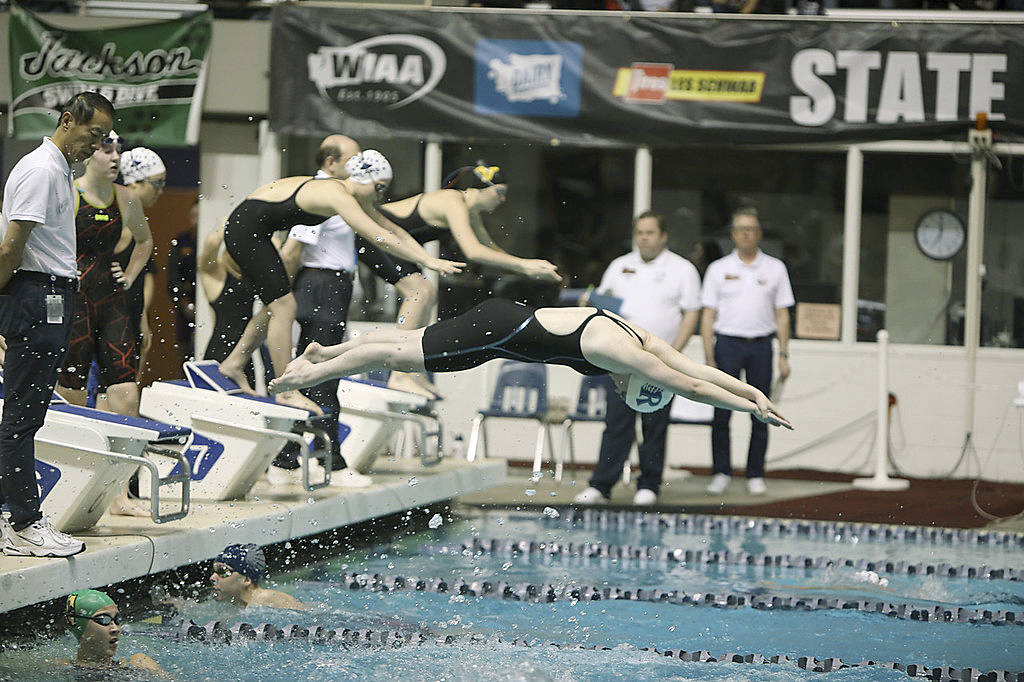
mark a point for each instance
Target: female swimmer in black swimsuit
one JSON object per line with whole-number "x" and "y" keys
{"x": 646, "y": 370}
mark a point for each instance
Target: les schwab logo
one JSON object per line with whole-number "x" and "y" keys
{"x": 655, "y": 83}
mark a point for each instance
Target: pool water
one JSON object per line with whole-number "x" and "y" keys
{"x": 622, "y": 626}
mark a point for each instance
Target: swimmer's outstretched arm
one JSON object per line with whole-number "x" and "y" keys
{"x": 631, "y": 359}
{"x": 679, "y": 362}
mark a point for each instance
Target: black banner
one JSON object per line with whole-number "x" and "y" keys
{"x": 624, "y": 79}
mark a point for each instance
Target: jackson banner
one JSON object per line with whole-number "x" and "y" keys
{"x": 153, "y": 73}
{"x": 614, "y": 79}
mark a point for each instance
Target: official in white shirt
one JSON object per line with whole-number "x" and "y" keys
{"x": 746, "y": 299}
{"x": 38, "y": 282}
{"x": 660, "y": 291}
{"x": 325, "y": 256}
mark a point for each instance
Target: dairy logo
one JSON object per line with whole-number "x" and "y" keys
{"x": 528, "y": 77}
{"x": 390, "y": 70}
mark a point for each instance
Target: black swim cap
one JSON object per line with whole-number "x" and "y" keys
{"x": 481, "y": 176}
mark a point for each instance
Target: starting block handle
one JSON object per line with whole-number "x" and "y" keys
{"x": 304, "y": 447}
{"x": 156, "y": 482}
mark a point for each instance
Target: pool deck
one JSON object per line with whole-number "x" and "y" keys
{"x": 121, "y": 548}
{"x": 792, "y": 494}
{"x": 680, "y": 491}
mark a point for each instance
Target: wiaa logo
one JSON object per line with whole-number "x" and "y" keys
{"x": 391, "y": 70}
{"x": 649, "y": 395}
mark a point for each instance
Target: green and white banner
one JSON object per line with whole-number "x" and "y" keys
{"x": 153, "y": 73}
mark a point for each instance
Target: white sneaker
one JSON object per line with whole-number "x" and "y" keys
{"x": 590, "y": 496}
{"x": 645, "y": 497}
{"x": 349, "y": 478}
{"x": 756, "y": 486}
{"x": 39, "y": 539}
{"x": 719, "y": 482}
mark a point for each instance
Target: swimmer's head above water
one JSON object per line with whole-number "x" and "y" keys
{"x": 93, "y": 618}
{"x": 236, "y": 569}
{"x": 370, "y": 167}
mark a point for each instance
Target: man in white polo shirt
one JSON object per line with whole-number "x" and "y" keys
{"x": 38, "y": 281}
{"x": 325, "y": 256}
{"x": 746, "y": 299}
{"x": 660, "y": 291}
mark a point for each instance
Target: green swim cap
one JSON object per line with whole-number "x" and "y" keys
{"x": 81, "y": 606}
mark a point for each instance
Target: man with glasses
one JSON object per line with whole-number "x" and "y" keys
{"x": 237, "y": 573}
{"x": 746, "y": 299}
{"x": 96, "y": 623}
{"x": 38, "y": 283}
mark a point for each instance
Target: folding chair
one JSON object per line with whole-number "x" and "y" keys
{"x": 520, "y": 392}
{"x": 591, "y": 406}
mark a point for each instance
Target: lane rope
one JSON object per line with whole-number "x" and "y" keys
{"x": 548, "y": 593}
{"x": 603, "y": 550}
{"x": 758, "y": 526}
{"x": 216, "y": 632}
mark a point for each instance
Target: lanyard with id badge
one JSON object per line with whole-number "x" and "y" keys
{"x": 54, "y": 308}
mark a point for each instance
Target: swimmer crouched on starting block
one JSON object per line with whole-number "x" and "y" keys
{"x": 646, "y": 370}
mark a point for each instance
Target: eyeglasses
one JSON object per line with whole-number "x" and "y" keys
{"x": 157, "y": 184}
{"x": 380, "y": 188}
{"x": 106, "y": 619}
{"x": 224, "y": 571}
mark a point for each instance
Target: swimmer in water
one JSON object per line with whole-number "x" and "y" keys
{"x": 236, "y": 578}
{"x": 94, "y": 619}
{"x": 646, "y": 370}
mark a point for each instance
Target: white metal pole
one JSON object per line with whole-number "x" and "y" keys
{"x": 270, "y": 154}
{"x": 851, "y": 243}
{"x": 881, "y": 480}
{"x": 642, "y": 165}
{"x": 432, "y": 163}
{"x": 980, "y": 142}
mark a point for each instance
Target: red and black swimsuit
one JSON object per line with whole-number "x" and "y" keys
{"x": 103, "y": 330}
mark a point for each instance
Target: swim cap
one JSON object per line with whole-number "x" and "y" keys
{"x": 140, "y": 163}
{"x": 368, "y": 167}
{"x": 81, "y": 606}
{"x": 646, "y": 396}
{"x": 246, "y": 559}
{"x": 481, "y": 176}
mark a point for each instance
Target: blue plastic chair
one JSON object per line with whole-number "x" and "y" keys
{"x": 591, "y": 406}
{"x": 520, "y": 392}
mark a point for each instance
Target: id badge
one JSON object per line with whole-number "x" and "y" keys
{"x": 54, "y": 309}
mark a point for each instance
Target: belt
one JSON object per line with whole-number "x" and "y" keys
{"x": 341, "y": 273}
{"x": 45, "y": 278}
{"x": 746, "y": 339}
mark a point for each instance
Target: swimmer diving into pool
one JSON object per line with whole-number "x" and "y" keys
{"x": 646, "y": 370}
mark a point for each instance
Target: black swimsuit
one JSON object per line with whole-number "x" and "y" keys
{"x": 247, "y": 238}
{"x": 391, "y": 268}
{"x": 499, "y": 328}
{"x": 232, "y": 310}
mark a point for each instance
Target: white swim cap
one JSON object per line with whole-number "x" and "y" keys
{"x": 369, "y": 167}
{"x": 140, "y": 163}
{"x": 646, "y": 396}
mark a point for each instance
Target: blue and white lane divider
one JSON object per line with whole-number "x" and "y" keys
{"x": 548, "y": 593}
{"x": 603, "y": 550}
{"x": 757, "y": 526}
{"x": 218, "y": 633}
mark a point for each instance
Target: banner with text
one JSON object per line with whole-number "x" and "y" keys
{"x": 659, "y": 80}
{"x": 153, "y": 73}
